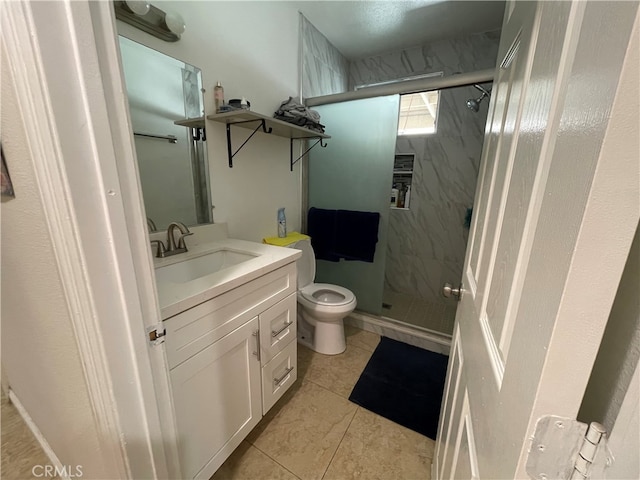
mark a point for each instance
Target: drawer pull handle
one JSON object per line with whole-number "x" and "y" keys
{"x": 278, "y": 381}
{"x": 257, "y": 352}
{"x": 284, "y": 327}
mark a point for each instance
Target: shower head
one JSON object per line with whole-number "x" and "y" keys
{"x": 474, "y": 103}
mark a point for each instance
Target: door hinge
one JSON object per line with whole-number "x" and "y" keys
{"x": 594, "y": 456}
{"x": 156, "y": 334}
{"x": 563, "y": 448}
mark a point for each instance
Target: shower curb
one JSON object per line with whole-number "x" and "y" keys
{"x": 403, "y": 333}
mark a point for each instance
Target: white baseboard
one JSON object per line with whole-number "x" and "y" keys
{"x": 401, "y": 332}
{"x": 53, "y": 458}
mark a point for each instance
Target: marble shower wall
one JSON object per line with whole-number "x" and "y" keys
{"x": 460, "y": 55}
{"x": 324, "y": 68}
{"x": 427, "y": 243}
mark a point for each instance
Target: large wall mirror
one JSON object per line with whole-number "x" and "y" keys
{"x": 172, "y": 159}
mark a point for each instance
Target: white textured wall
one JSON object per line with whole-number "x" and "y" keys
{"x": 252, "y": 49}
{"x": 39, "y": 353}
{"x": 619, "y": 351}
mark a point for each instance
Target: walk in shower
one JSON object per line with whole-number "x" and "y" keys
{"x": 369, "y": 166}
{"x": 427, "y": 241}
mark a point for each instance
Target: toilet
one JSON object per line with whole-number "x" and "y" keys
{"x": 321, "y": 307}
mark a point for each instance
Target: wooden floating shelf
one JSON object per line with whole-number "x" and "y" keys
{"x": 191, "y": 122}
{"x": 255, "y": 121}
{"x": 278, "y": 127}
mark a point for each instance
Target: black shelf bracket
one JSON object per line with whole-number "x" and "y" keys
{"x": 320, "y": 140}
{"x": 230, "y": 152}
{"x": 198, "y": 133}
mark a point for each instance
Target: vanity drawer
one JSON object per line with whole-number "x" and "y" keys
{"x": 195, "y": 329}
{"x": 278, "y": 327}
{"x": 278, "y": 375}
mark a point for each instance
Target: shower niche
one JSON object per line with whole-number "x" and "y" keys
{"x": 402, "y": 178}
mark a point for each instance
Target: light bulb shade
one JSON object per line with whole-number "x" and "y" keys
{"x": 150, "y": 19}
{"x": 139, "y": 7}
{"x": 175, "y": 23}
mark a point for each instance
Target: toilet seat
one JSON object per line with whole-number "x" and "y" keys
{"x": 327, "y": 294}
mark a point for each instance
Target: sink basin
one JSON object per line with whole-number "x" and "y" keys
{"x": 183, "y": 272}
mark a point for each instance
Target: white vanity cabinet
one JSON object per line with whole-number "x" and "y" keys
{"x": 230, "y": 359}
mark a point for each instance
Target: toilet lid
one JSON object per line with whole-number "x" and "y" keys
{"x": 327, "y": 294}
{"x": 306, "y": 264}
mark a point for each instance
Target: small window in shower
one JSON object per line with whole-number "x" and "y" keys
{"x": 418, "y": 113}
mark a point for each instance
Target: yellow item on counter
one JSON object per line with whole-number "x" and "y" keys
{"x": 291, "y": 238}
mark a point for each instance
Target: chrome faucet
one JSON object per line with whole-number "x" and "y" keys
{"x": 171, "y": 248}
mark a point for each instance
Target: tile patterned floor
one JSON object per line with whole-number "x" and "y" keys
{"x": 315, "y": 433}
{"x": 20, "y": 449}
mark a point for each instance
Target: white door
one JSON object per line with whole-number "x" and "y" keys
{"x": 549, "y": 237}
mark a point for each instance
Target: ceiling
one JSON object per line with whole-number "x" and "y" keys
{"x": 364, "y": 28}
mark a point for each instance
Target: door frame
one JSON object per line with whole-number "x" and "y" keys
{"x": 81, "y": 145}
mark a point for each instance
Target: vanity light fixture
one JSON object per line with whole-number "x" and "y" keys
{"x": 167, "y": 26}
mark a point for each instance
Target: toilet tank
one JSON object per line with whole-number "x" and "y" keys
{"x": 306, "y": 263}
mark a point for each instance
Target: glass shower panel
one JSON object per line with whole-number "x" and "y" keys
{"x": 354, "y": 172}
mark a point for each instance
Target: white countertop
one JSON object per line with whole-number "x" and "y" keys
{"x": 177, "y": 297}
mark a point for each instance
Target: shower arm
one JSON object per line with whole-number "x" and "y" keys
{"x": 485, "y": 93}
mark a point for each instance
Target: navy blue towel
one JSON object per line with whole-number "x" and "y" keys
{"x": 322, "y": 228}
{"x": 347, "y": 234}
{"x": 357, "y": 235}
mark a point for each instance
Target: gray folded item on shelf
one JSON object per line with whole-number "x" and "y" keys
{"x": 301, "y": 122}
{"x": 291, "y": 108}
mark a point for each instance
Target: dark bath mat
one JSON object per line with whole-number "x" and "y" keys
{"x": 404, "y": 384}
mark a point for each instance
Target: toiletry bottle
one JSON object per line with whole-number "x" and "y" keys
{"x": 394, "y": 196}
{"x": 407, "y": 196}
{"x": 282, "y": 223}
{"x": 401, "y": 196}
{"x": 218, "y": 96}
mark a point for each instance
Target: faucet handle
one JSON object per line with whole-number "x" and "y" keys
{"x": 181, "y": 243}
{"x": 160, "y": 252}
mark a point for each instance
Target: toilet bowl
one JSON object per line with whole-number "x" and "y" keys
{"x": 322, "y": 307}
